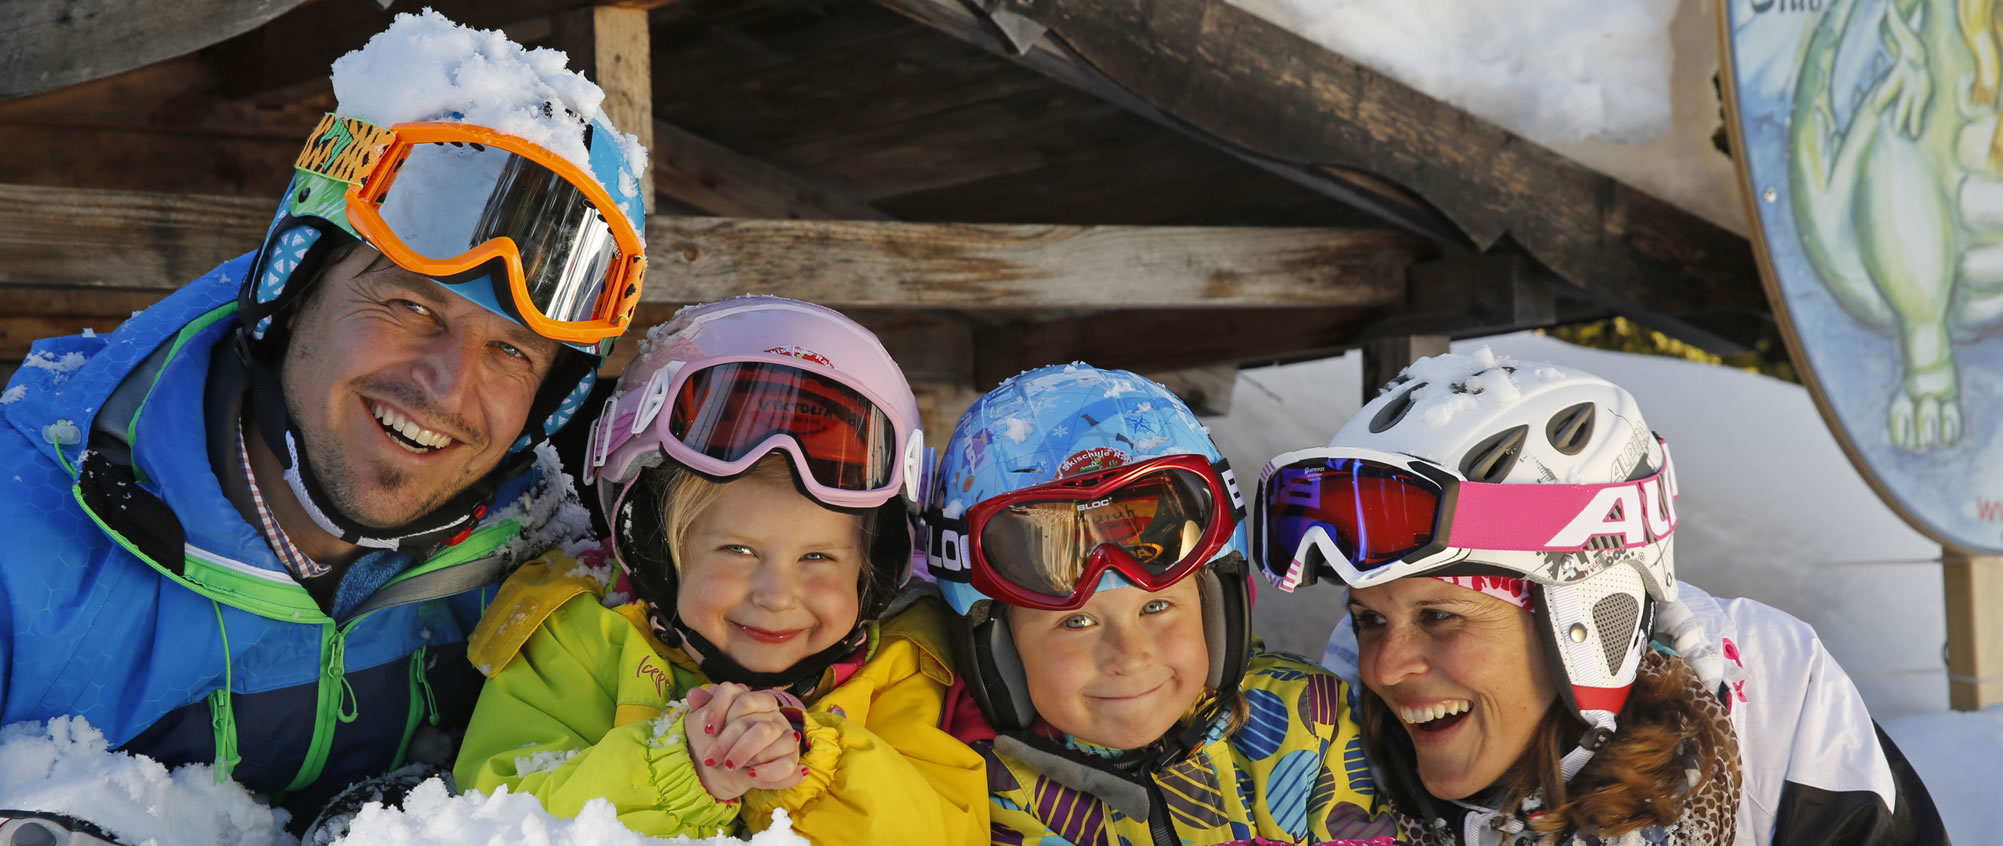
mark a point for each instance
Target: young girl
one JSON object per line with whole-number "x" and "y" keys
{"x": 1086, "y": 530}
{"x": 757, "y": 465}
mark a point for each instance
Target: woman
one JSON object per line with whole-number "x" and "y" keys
{"x": 1507, "y": 533}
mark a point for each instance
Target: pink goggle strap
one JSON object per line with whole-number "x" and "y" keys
{"x": 1564, "y": 518}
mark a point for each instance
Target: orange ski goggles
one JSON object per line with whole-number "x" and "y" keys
{"x": 445, "y": 199}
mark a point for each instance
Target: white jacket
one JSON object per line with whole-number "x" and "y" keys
{"x": 1816, "y": 769}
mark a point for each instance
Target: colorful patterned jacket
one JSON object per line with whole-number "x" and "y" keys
{"x": 571, "y": 713}
{"x": 1294, "y": 772}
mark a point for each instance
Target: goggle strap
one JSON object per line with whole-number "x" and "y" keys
{"x": 1562, "y": 518}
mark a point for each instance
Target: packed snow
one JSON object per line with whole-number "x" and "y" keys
{"x": 425, "y": 67}
{"x": 1624, "y": 88}
{"x": 1564, "y": 70}
{"x": 64, "y": 766}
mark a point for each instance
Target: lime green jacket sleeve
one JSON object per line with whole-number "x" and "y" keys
{"x": 880, "y": 770}
{"x": 578, "y": 714}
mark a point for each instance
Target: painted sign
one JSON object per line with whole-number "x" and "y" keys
{"x": 1866, "y": 133}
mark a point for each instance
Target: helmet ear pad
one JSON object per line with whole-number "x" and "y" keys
{"x": 1001, "y": 686}
{"x": 639, "y": 540}
{"x": 1594, "y": 633}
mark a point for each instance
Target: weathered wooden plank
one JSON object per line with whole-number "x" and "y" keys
{"x": 704, "y": 175}
{"x": 1014, "y": 266}
{"x": 131, "y": 239}
{"x": 1257, "y": 90}
{"x": 1972, "y": 586}
{"x": 51, "y": 236}
{"x": 53, "y": 43}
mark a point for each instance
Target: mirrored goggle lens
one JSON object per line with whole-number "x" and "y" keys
{"x": 1044, "y": 546}
{"x": 1375, "y": 513}
{"x": 727, "y": 410}
{"x": 450, "y": 197}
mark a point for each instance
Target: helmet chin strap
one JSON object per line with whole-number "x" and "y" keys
{"x": 1597, "y": 734}
{"x": 419, "y": 536}
{"x": 718, "y": 666}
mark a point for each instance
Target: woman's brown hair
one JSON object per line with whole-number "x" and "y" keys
{"x": 1637, "y": 779}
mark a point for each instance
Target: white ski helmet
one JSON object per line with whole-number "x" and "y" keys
{"x": 1488, "y": 420}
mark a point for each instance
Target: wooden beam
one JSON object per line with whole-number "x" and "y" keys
{"x": 1973, "y": 588}
{"x": 610, "y": 44}
{"x": 74, "y": 237}
{"x": 53, "y": 43}
{"x": 1472, "y": 295}
{"x": 1165, "y": 339}
{"x": 1259, "y": 91}
{"x": 967, "y": 266}
{"x": 1054, "y": 59}
{"x": 704, "y": 175}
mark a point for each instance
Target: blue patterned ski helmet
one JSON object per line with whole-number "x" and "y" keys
{"x": 1048, "y": 423}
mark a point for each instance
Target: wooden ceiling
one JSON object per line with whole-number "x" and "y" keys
{"x": 924, "y": 112}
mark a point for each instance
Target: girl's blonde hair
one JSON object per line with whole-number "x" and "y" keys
{"x": 685, "y": 494}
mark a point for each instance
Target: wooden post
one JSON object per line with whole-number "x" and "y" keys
{"x": 1972, "y": 586}
{"x": 1384, "y": 357}
{"x": 611, "y": 45}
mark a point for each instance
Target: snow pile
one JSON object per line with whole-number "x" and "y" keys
{"x": 66, "y": 767}
{"x": 13, "y": 394}
{"x": 1553, "y": 70}
{"x": 1960, "y": 757}
{"x": 48, "y": 361}
{"x": 431, "y": 815}
{"x": 550, "y": 513}
{"x": 425, "y": 67}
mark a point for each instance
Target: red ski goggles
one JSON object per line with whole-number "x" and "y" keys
{"x": 730, "y": 414}
{"x": 1365, "y": 517}
{"x": 1153, "y": 521}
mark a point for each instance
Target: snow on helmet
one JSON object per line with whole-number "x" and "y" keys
{"x": 1507, "y": 422}
{"x": 440, "y": 72}
{"x": 1050, "y": 423}
{"x": 724, "y": 384}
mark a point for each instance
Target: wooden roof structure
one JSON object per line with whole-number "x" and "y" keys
{"x": 991, "y": 184}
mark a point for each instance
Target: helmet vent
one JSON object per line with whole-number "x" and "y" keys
{"x": 1395, "y": 410}
{"x": 1492, "y": 459}
{"x": 1615, "y": 617}
{"x": 1569, "y": 430}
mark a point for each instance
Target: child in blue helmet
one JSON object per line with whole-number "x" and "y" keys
{"x": 1086, "y": 530}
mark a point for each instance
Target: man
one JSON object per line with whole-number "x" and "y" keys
{"x": 254, "y": 525}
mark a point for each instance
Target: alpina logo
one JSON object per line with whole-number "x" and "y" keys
{"x": 1639, "y": 512}
{"x": 797, "y": 351}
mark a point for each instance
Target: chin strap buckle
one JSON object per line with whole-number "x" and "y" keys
{"x": 1595, "y": 737}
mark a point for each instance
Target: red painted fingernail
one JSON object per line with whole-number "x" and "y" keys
{"x": 708, "y": 729}
{"x": 803, "y": 769}
{"x": 709, "y": 762}
{"x": 751, "y": 771}
{"x": 728, "y": 765}
{"x": 796, "y": 737}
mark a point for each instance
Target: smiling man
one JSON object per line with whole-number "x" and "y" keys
{"x": 254, "y": 525}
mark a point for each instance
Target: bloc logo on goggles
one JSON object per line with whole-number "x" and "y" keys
{"x": 1370, "y": 517}
{"x": 1047, "y": 546}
